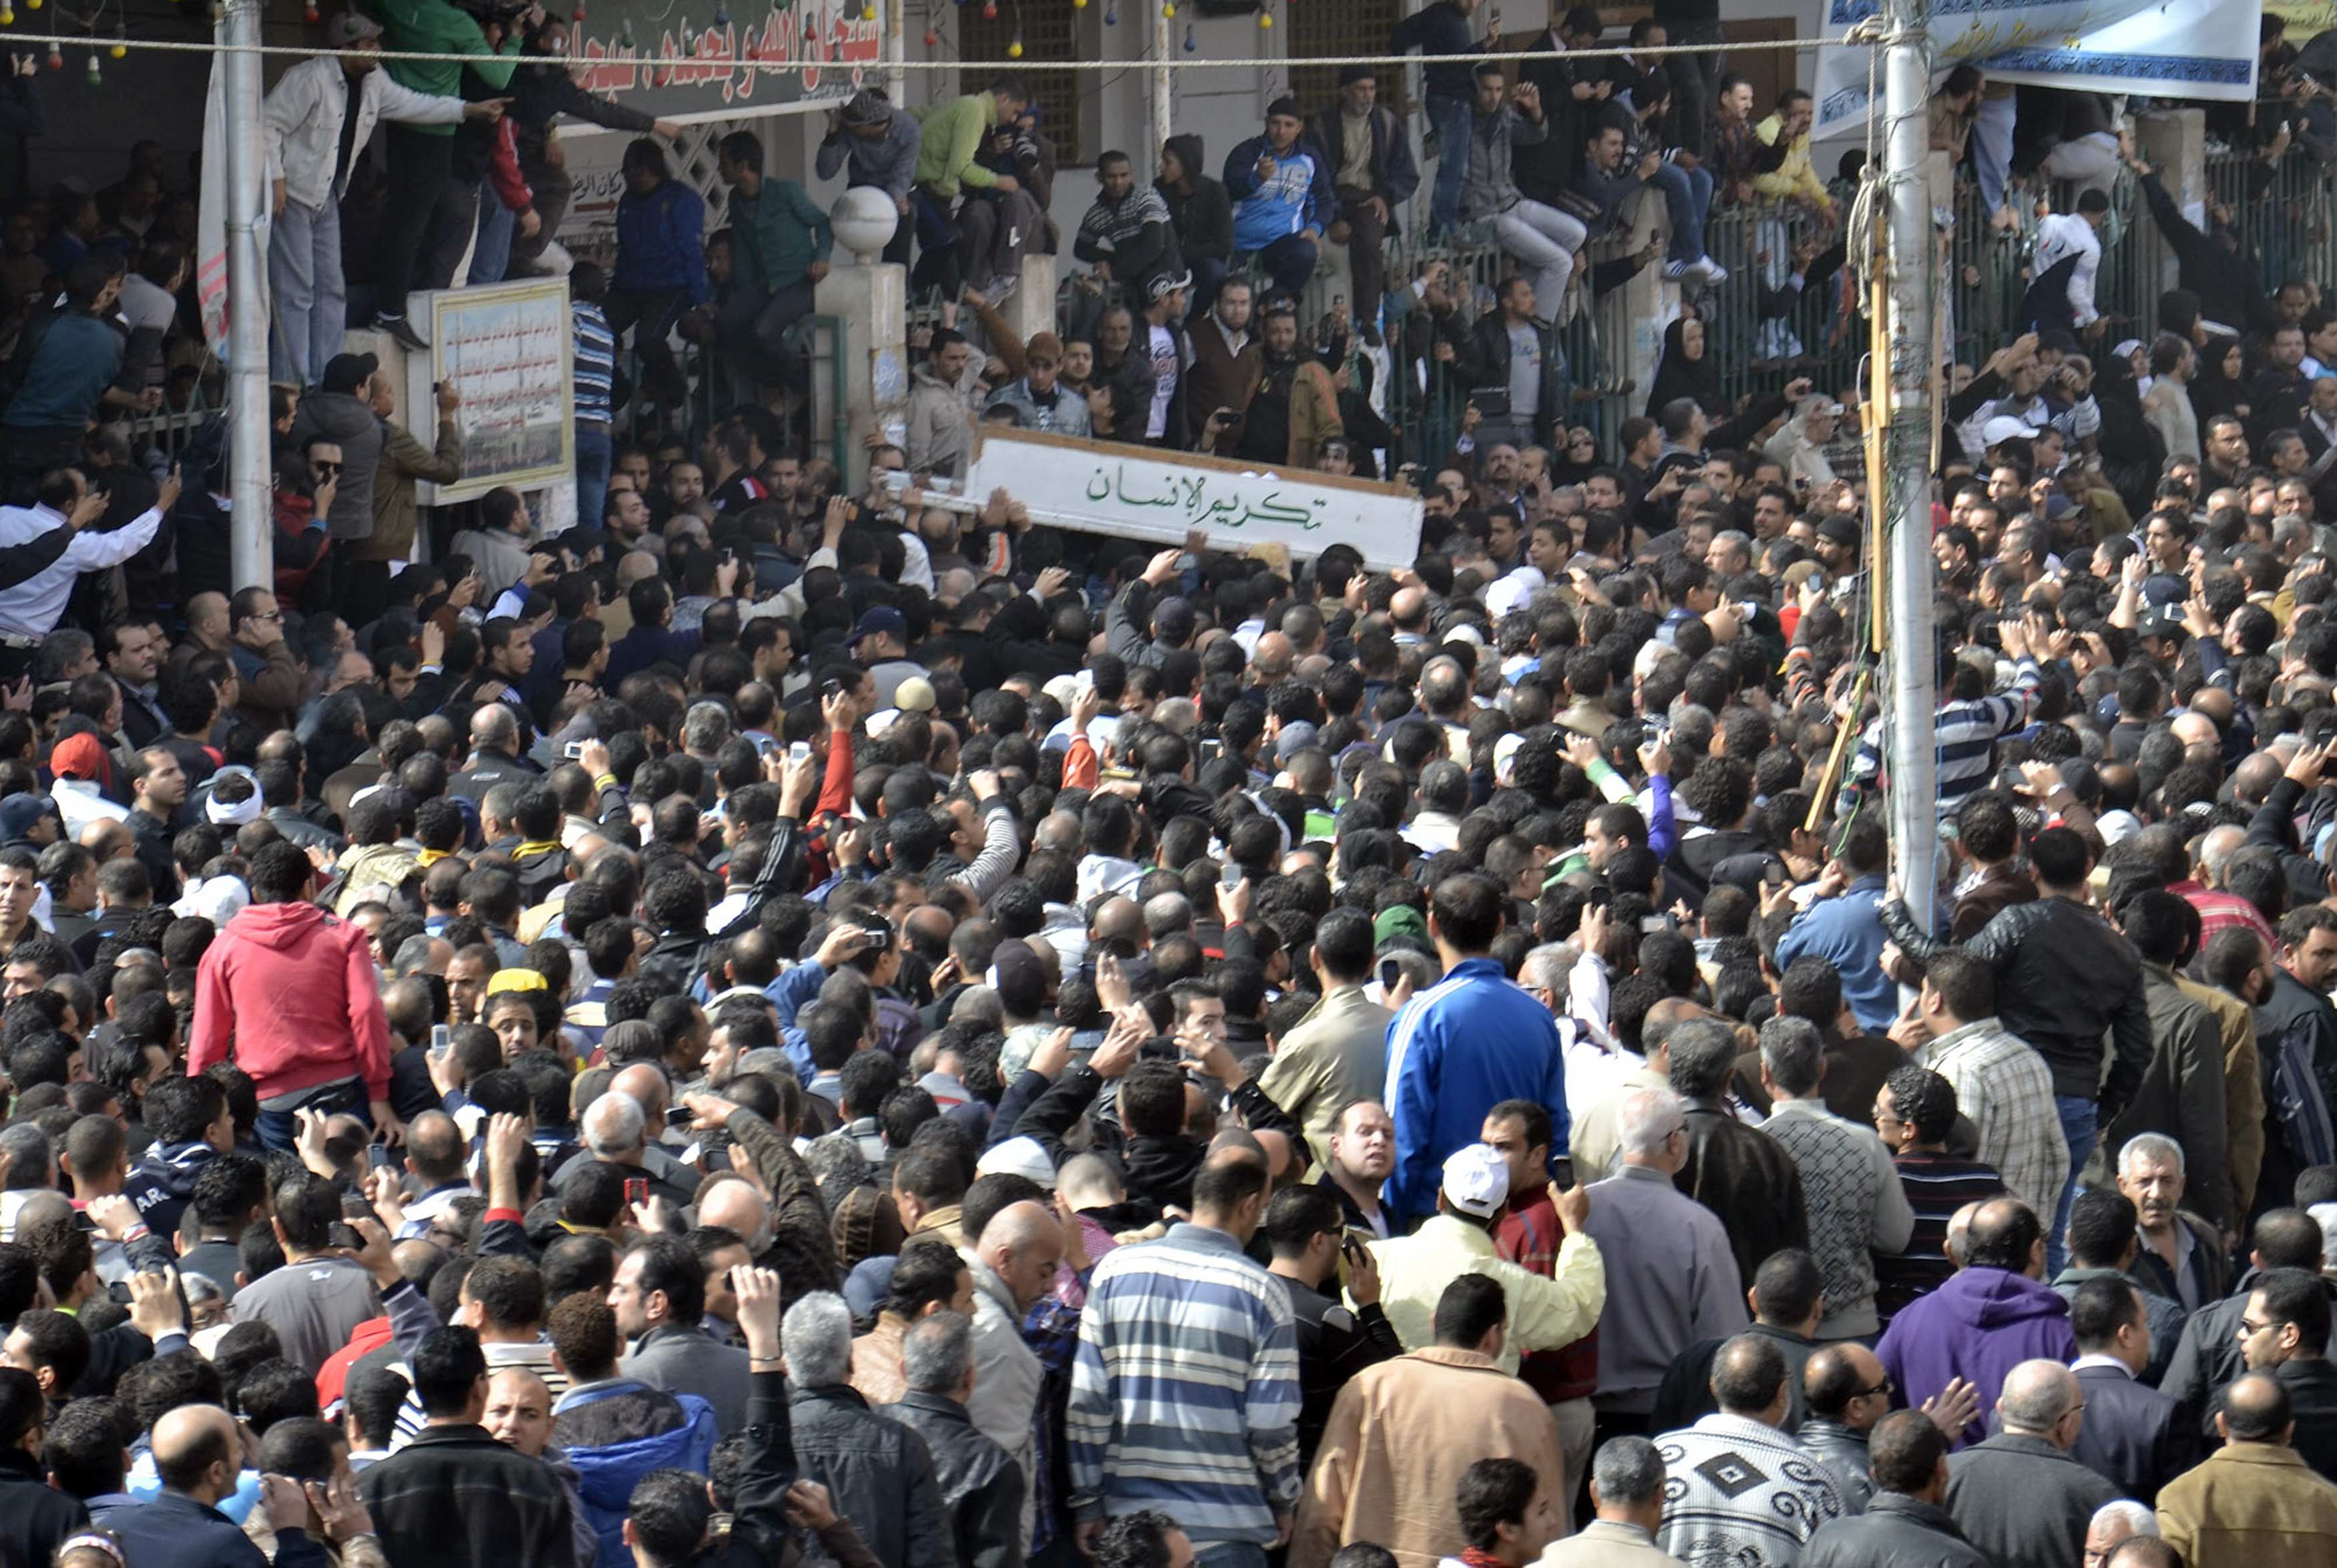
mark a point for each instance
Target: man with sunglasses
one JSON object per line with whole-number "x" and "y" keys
{"x": 339, "y": 410}
{"x": 1849, "y": 1393}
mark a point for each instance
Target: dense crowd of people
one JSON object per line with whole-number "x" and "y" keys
{"x": 801, "y": 1020}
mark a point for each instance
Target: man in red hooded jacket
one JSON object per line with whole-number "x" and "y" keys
{"x": 290, "y": 992}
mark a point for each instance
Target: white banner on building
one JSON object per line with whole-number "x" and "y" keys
{"x": 1143, "y": 493}
{"x": 211, "y": 216}
{"x": 2199, "y": 49}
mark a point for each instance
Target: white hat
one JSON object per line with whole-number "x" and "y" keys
{"x": 2004, "y": 427}
{"x": 1019, "y": 1157}
{"x": 1477, "y": 1181}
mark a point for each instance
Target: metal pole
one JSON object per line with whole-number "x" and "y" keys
{"x": 252, "y": 554}
{"x": 896, "y": 48}
{"x": 1163, "y": 85}
{"x": 1907, "y": 452}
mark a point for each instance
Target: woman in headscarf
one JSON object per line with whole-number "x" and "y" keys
{"x": 1685, "y": 370}
{"x": 2219, "y": 387}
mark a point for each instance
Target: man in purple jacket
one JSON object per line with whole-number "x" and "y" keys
{"x": 1987, "y": 1319}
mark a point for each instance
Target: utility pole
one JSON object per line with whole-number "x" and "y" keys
{"x": 1914, "y": 264}
{"x": 250, "y": 549}
{"x": 1163, "y": 85}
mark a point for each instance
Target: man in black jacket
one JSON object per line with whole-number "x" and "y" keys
{"x": 454, "y": 1496}
{"x": 2208, "y": 1358}
{"x": 880, "y": 1473}
{"x": 1903, "y": 1525}
{"x": 33, "y": 1517}
{"x": 1484, "y": 364}
{"x": 981, "y": 1487}
{"x": 1307, "y": 1231}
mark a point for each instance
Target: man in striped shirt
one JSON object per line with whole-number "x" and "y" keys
{"x": 1185, "y": 1394}
{"x": 1913, "y": 1114}
{"x": 1968, "y": 730}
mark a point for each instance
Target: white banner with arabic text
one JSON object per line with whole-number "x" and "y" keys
{"x": 1144, "y": 493}
{"x": 2191, "y": 49}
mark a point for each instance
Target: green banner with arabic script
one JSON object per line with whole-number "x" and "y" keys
{"x": 702, "y": 58}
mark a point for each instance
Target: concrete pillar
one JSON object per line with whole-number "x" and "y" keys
{"x": 1636, "y": 315}
{"x": 2174, "y": 141}
{"x": 871, "y": 303}
{"x": 1030, "y": 309}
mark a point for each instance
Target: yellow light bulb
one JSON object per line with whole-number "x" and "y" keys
{"x": 118, "y": 50}
{"x": 1015, "y": 50}
{"x": 7, "y": 17}
{"x": 1168, "y": 10}
{"x": 1264, "y": 19}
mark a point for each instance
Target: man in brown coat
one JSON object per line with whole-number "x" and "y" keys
{"x": 404, "y": 460}
{"x": 2254, "y": 1501}
{"x": 1402, "y": 1432}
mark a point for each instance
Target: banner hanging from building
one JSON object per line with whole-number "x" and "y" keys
{"x": 698, "y": 57}
{"x": 2195, "y": 49}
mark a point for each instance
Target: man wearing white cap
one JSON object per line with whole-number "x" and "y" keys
{"x": 317, "y": 118}
{"x": 1545, "y": 1314}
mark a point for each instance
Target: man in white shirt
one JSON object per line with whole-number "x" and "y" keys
{"x": 316, "y": 119}
{"x": 30, "y": 609}
{"x": 2067, "y": 254}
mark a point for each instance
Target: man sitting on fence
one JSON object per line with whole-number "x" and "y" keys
{"x": 1541, "y": 238}
{"x": 1281, "y": 191}
{"x": 1125, "y": 235}
{"x": 1371, "y": 175}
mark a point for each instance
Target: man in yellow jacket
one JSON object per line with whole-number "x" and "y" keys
{"x": 1545, "y": 1314}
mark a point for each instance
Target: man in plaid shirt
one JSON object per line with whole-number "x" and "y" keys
{"x": 2001, "y": 1083}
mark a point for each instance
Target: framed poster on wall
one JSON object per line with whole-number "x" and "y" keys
{"x": 509, "y": 351}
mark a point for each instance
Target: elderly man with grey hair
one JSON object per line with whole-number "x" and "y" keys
{"x": 1627, "y": 1489}
{"x": 877, "y": 1471}
{"x": 1572, "y": 983}
{"x": 1856, "y": 1205}
{"x": 615, "y": 1129}
{"x": 1659, "y": 1299}
{"x": 2113, "y": 1523}
{"x": 2177, "y": 1254}
{"x": 981, "y": 1487}
{"x": 2019, "y": 1496}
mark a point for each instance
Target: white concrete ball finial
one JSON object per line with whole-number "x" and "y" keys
{"x": 864, "y": 218}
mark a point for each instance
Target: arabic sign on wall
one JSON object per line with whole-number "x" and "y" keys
{"x": 1136, "y": 492}
{"x": 507, "y": 348}
{"x": 698, "y": 57}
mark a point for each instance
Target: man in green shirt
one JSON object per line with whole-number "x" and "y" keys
{"x": 779, "y": 241}
{"x": 431, "y": 201}
{"x": 949, "y": 150}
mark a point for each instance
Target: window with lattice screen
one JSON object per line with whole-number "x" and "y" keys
{"x": 1320, "y": 29}
{"x": 1048, "y": 29}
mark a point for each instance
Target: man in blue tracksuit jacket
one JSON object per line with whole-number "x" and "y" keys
{"x": 1280, "y": 186}
{"x": 1462, "y": 1046}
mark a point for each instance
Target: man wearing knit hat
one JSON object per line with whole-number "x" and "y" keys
{"x": 878, "y": 145}
{"x": 1281, "y": 190}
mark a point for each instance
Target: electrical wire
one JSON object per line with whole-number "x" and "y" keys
{"x": 1004, "y": 67}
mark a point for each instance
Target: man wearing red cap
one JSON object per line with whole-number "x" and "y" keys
{"x": 82, "y": 771}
